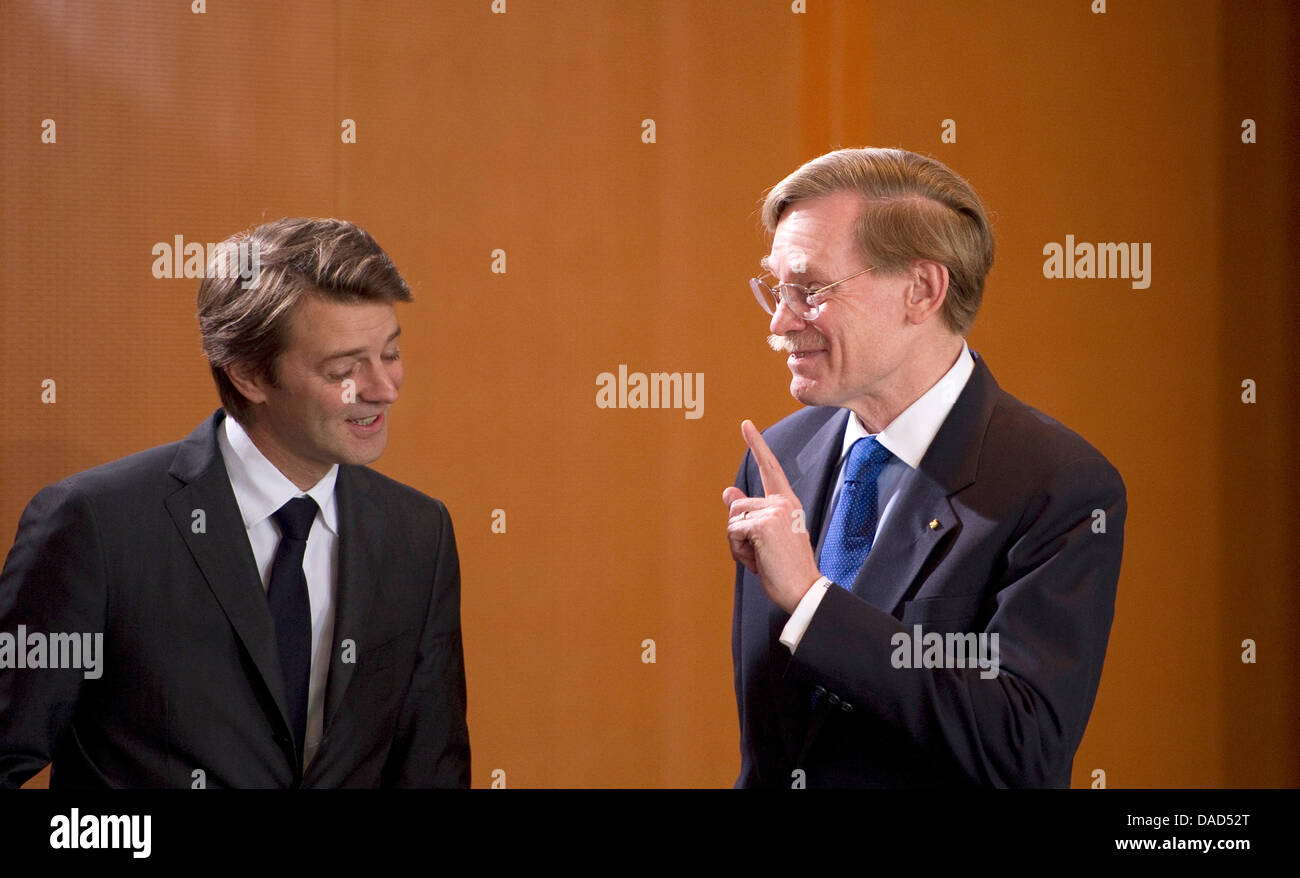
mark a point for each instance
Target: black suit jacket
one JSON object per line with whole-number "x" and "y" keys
{"x": 151, "y": 551}
{"x": 1016, "y": 501}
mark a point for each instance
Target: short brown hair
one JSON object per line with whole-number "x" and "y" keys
{"x": 917, "y": 208}
{"x": 247, "y": 319}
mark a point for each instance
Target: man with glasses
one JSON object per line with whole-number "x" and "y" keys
{"x": 926, "y": 567}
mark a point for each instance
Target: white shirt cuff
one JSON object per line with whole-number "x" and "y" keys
{"x": 793, "y": 631}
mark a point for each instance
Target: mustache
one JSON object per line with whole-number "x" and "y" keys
{"x": 794, "y": 341}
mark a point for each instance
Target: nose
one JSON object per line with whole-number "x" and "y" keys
{"x": 385, "y": 380}
{"x": 785, "y": 321}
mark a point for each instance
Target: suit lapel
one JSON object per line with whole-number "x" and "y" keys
{"x": 905, "y": 542}
{"x": 810, "y": 473}
{"x": 222, "y": 552}
{"x": 813, "y": 471}
{"x": 923, "y": 514}
{"x": 359, "y": 567}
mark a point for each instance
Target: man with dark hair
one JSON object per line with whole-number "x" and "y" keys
{"x": 271, "y": 612}
{"x": 926, "y": 567}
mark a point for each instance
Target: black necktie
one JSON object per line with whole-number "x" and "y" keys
{"x": 291, "y": 609}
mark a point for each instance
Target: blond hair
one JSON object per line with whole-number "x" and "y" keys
{"x": 916, "y": 208}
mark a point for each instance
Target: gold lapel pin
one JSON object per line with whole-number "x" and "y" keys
{"x": 934, "y": 524}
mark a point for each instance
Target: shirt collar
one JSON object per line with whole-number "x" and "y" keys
{"x": 909, "y": 435}
{"x": 261, "y": 489}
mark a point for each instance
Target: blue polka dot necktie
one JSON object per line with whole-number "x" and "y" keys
{"x": 291, "y": 609}
{"x": 853, "y": 523}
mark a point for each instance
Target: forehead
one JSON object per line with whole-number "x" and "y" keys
{"x": 319, "y": 323}
{"x": 816, "y": 234}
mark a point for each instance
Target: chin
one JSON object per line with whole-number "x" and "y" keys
{"x": 357, "y": 455}
{"x": 365, "y": 456}
{"x": 806, "y": 392}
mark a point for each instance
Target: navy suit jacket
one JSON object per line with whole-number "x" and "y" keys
{"x": 1018, "y": 546}
{"x": 151, "y": 552}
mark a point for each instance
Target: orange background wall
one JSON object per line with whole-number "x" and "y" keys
{"x": 523, "y": 131}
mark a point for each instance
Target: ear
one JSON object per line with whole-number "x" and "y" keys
{"x": 248, "y": 381}
{"x": 926, "y": 291}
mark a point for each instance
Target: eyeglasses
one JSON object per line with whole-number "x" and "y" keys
{"x": 803, "y": 302}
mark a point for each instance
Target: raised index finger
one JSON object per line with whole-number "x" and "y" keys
{"x": 769, "y": 468}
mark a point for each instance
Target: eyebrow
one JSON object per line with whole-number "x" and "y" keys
{"x": 356, "y": 352}
{"x": 810, "y": 274}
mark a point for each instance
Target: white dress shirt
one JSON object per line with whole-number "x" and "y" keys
{"x": 260, "y": 490}
{"x": 907, "y": 437}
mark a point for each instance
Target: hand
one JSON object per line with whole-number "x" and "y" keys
{"x": 767, "y": 533}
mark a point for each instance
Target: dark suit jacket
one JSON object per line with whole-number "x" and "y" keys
{"x": 191, "y": 675}
{"x": 1016, "y": 551}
